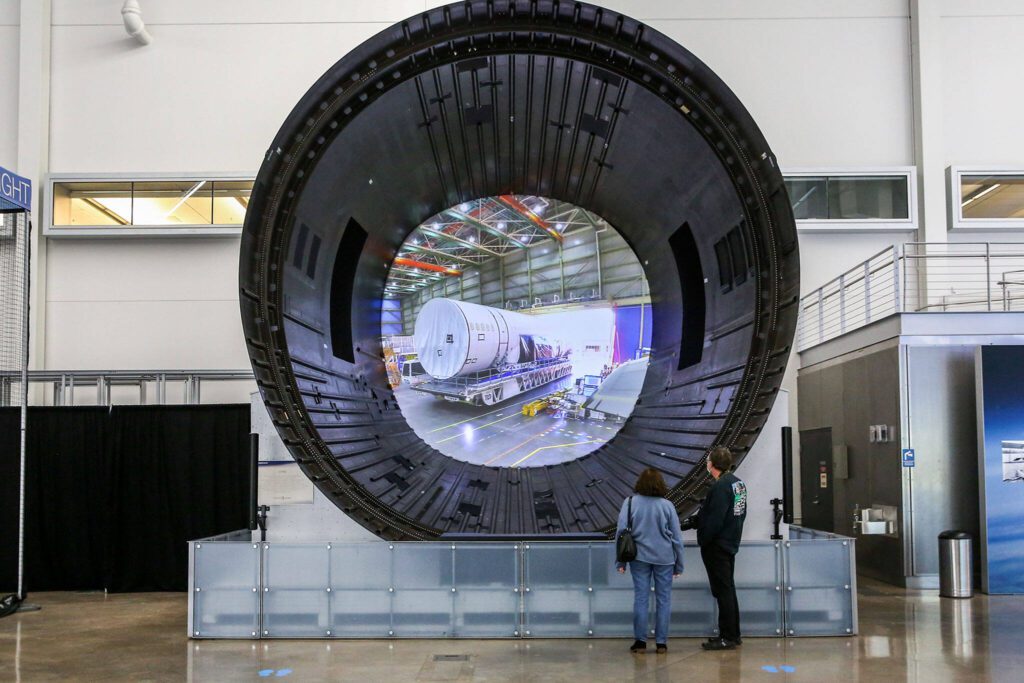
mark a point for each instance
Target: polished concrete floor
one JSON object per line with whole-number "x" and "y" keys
{"x": 904, "y": 636}
{"x": 501, "y": 435}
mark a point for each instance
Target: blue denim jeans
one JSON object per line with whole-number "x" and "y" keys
{"x": 642, "y": 574}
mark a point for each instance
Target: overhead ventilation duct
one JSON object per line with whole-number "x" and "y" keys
{"x": 518, "y": 97}
{"x": 131, "y": 13}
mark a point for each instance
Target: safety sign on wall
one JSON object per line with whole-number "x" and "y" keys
{"x": 908, "y": 457}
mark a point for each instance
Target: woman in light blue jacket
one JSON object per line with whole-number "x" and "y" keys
{"x": 659, "y": 555}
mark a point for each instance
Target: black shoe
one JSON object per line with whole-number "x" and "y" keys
{"x": 737, "y": 642}
{"x": 662, "y": 649}
{"x": 719, "y": 644}
{"x": 638, "y": 646}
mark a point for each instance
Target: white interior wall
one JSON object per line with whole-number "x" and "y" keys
{"x": 829, "y": 83}
{"x": 983, "y": 103}
{"x": 220, "y": 77}
{"x": 9, "y": 83}
{"x": 144, "y": 304}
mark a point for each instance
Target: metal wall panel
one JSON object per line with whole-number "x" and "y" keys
{"x": 850, "y": 395}
{"x": 943, "y": 432}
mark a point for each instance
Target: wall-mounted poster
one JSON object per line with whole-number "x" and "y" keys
{"x": 1000, "y": 387}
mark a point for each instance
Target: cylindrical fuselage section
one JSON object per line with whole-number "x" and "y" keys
{"x": 459, "y": 338}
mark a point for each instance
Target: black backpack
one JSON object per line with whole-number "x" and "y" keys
{"x": 625, "y": 546}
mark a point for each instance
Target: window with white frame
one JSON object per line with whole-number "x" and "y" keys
{"x": 147, "y": 206}
{"x": 987, "y": 198}
{"x": 828, "y": 199}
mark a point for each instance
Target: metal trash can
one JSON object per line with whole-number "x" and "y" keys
{"x": 956, "y": 570}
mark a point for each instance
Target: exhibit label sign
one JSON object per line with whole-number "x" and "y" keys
{"x": 15, "y": 189}
{"x": 999, "y": 377}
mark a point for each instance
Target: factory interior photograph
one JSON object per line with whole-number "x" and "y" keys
{"x": 511, "y": 340}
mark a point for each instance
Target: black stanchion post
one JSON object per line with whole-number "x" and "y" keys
{"x": 787, "y": 475}
{"x": 254, "y": 463}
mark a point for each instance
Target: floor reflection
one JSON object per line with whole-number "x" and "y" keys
{"x": 904, "y": 636}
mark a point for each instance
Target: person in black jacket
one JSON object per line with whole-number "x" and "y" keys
{"x": 719, "y": 524}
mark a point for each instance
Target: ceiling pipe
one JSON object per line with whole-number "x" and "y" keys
{"x": 133, "y": 24}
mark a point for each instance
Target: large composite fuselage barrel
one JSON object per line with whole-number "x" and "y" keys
{"x": 455, "y": 338}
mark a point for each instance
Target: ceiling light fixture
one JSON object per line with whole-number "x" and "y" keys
{"x": 979, "y": 195}
{"x": 186, "y": 197}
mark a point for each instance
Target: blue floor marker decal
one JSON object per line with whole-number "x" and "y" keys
{"x": 785, "y": 668}
{"x": 283, "y": 672}
{"x": 788, "y": 669}
{"x": 265, "y": 672}
{"x": 770, "y": 669}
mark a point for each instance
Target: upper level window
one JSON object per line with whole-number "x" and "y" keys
{"x": 824, "y": 199}
{"x": 987, "y": 198}
{"x": 172, "y": 206}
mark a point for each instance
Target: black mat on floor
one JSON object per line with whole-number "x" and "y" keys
{"x": 113, "y": 494}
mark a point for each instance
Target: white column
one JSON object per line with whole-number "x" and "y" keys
{"x": 929, "y": 152}
{"x": 34, "y": 149}
{"x": 926, "y": 55}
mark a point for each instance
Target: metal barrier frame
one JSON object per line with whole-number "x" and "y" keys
{"x": 65, "y": 382}
{"x": 240, "y": 588}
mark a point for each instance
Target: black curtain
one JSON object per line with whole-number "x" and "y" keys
{"x": 177, "y": 473}
{"x": 113, "y": 494}
{"x": 9, "y": 473}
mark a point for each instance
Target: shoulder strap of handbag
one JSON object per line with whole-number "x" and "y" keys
{"x": 629, "y": 514}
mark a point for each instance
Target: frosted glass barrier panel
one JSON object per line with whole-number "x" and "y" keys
{"x": 423, "y": 601}
{"x": 226, "y": 600}
{"x": 486, "y": 590}
{"x": 557, "y": 598}
{"x": 295, "y": 595}
{"x": 820, "y": 588}
{"x": 360, "y": 583}
{"x": 611, "y": 601}
{"x": 758, "y": 578}
{"x": 502, "y": 590}
{"x": 693, "y": 609}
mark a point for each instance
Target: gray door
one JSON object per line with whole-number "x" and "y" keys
{"x": 816, "y": 478}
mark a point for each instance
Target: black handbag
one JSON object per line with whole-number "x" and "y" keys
{"x": 625, "y": 546}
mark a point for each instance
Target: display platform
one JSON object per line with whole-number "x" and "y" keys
{"x": 238, "y": 588}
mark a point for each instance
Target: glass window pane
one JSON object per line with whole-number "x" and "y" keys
{"x": 868, "y": 197}
{"x": 86, "y": 204}
{"x": 808, "y": 197}
{"x": 992, "y": 196}
{"x": 176, "y": 202}
{"x": 230, "y": 200}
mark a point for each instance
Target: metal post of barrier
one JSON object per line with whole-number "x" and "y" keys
{"x": 988, "y": 274}
{"x": 896, "y": 280}
{"x": 842, "y": 303}
{"x": 867, "y": 291}
{"x": 821, "y": 316}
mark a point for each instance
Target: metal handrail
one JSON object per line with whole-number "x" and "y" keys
{"x": 66, "y": 381}
{"x": 882, "y": 285}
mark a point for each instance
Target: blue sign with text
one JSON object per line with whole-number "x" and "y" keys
{"x": 908, "y": 457}
{"x": 15, "y": 190}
